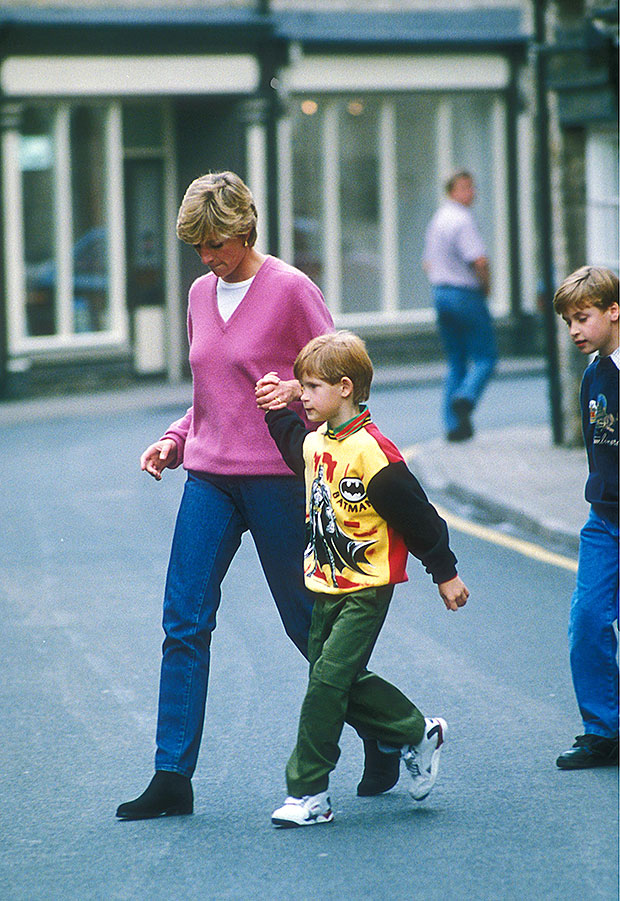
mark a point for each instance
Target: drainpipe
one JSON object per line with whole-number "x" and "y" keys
{"x": 514, "y": 249}
{"x": 269, "y": 58}
{"x": 9, "y": 118}
{"x": 544, "y": 217}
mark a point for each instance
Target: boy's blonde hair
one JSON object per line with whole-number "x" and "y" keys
{"x": 217, "y": 206}
{"x": 589, "y": 286}
{"x": 332, "y": 357}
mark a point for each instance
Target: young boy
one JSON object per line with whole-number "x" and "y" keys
{"x": 364, "y": 511}
{"x": 588, "y": 302}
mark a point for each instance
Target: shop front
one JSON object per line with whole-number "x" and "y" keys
{"x": 345, "y": 134}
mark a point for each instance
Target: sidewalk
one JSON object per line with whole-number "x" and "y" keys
{"x": 161, "y": 394}
{"x": 514, "y": 474}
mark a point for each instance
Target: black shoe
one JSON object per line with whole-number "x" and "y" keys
{"x": 381, "y": 771}
{"x": 167, "y": 795}
{"x": 588, "y": 751}
{"x": 460, "y": 434}
{"x": 461, "y": 407}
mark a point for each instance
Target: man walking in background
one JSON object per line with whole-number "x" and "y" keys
{"x": 457, "y": 266}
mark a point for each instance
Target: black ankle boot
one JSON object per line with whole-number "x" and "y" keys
{"x": 381, "y": 770}
{"x": 167, "y": 795}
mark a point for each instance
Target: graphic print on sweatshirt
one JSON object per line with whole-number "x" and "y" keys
{"x": 327, "y": 544}
{"x": 349, "y": 545}
{"x": 605, "y": 423}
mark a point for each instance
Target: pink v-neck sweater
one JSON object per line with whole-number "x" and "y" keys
{"x": 224, "y": 432}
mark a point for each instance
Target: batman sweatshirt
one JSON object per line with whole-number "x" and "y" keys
{"x": 365, "y": 510}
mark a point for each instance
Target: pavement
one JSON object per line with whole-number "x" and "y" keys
{"x": 515, "y": 475}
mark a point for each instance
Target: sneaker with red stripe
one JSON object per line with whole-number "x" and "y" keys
{"x": 307, "y": 811}
{"x": 422, "y": 760}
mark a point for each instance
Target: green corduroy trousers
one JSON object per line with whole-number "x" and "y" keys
{"x": 343, "y": 633}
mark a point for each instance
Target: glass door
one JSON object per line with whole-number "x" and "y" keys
{"x": 145, "y": 253}
{"x": 144, "y": 194}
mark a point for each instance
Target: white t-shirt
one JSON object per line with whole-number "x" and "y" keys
{"x": 230, "y": 295}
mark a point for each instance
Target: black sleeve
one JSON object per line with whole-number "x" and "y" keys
{"x": 398, "y": 497}
{"x": 288, "y": 431}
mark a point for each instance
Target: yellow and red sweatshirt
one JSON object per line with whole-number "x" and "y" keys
{"x": 365, "y": 510}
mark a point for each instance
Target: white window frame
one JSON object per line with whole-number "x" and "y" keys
{"x": 599, "y": 193}
{"x": 331, "y": 209}
{"x": 527, "y": 213}
{"x": 19, "y": 343}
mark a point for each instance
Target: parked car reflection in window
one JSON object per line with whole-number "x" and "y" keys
{"x": 90, "y": 288}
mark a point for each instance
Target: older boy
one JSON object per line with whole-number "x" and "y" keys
{"x": 588, "y": 302}
{"x": 364, "y": 512}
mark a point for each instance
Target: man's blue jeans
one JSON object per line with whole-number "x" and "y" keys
{"x": 466, "y": 332}
{"x": 214, "y": 513}
{"x": 593, "y": 642}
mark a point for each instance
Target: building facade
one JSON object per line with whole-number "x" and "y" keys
{"x": 343, "y": 118}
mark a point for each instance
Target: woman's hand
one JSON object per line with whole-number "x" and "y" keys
{"x": 158, "y": 457}
{"x": 454, "y": 593}
{"x": 274, "y": 394}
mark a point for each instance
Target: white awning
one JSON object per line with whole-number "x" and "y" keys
{"x": 122, "y": 76}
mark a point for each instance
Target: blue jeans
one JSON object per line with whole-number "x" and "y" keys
{"x": 593, "y": 642}
{"x": 214, "y": 513}
{"x": 467, "y": 335}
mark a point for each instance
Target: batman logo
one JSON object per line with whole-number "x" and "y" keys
{"x": 352, "y": 490}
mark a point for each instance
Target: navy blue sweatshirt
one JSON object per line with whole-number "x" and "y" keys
{"x": 599, "y": 410}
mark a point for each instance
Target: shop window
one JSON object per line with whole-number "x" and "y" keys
{"x": 66, "y": 258}
{"x": 307, "y": 190}
{"x": 418, "y": 193}
{"x": 435, "y": 134}
{"x": 359, "y": 205}
{"x": 36, "y": 160}
{"x": 368, "y": 172}
{"x": 144, "y": 131}
{"x": 145, "y": 232}
{"x": 90, "y": 242}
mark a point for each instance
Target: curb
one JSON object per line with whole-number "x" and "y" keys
{"x": 503, "y": 513}
{"x": 511, "y": 477}
{"x": 434, "y": 373}
{"x": 163, "y": 394}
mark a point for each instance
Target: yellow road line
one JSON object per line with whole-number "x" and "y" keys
{"x": 527, "y": 548}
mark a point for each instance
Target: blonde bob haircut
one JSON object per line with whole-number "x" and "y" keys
{"x": 589, "y": 286}
{"x": 217, "y": 206}
{"x": 332, "y": 357}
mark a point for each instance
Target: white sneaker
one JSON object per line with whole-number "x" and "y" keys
{"x": 422, "y": 760}
{"x": 306, "y": 811}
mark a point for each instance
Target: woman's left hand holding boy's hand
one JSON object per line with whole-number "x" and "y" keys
{"x": 454, "y": 593}
{"x": 274, "y": 394}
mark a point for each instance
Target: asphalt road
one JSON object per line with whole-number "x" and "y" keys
{"x": 83, "y": 559}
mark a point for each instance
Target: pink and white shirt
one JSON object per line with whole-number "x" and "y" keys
{"x": 223, "y": 432}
